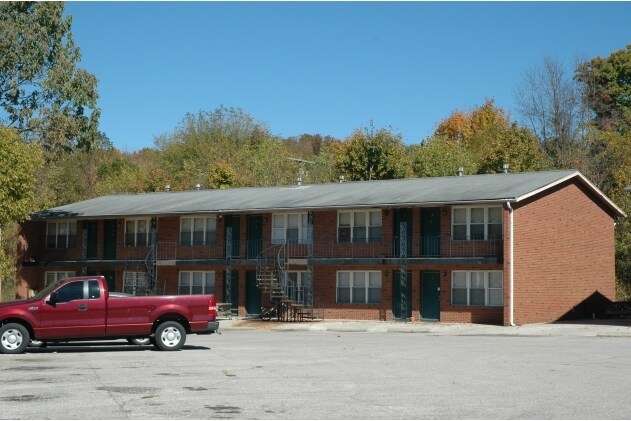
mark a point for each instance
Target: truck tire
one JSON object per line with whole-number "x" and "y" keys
{"x": 139, "y": 341}
{"x": 14, "y": 338}
{"x": 170, "y": 336}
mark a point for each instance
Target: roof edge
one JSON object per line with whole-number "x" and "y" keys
{"x": 591, "y": 186}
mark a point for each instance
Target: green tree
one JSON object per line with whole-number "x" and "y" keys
{"x": 439, "y": 156}
{"x": 370, "y": 154}
{"x": 19, "y": 162}
{"x": 42, "y": 93}
{"x": 606, "y": 84}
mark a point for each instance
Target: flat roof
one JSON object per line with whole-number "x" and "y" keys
{"x": 429, "y": 191}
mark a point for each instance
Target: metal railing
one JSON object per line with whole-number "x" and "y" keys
{"x": 417, "y": 247}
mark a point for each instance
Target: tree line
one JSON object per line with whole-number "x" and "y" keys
{"x": 52, "y": 152}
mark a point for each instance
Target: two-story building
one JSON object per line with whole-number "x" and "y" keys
{"x": 500, "y": 248}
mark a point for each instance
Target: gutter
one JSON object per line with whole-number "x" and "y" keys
{"x": 511, "y": 270}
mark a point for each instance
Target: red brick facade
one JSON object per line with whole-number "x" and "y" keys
{"x": 563, "y": 260}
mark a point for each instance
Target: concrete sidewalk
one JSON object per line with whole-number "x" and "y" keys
{"x": 596, "y": 328}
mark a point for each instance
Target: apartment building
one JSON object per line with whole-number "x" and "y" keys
{"x": 509, "y": 248}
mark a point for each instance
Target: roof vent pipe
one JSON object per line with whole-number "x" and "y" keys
{"x": 460, "y": 171}
{"x": 505, "y": 168}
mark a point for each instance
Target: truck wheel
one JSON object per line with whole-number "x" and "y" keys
{"x": 14, "y": 338}
{"x": 170, "y": 336}
{"x": 139, "y": 341}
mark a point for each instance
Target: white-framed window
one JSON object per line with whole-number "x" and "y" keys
{"x": 289, "y": 227}
{"x": 476, "y": 223}
{"x": 477, "y": 288}
{"x": 296, "y": 283}
{"x": 359, "y": 226}
{"x": 137, "y": 232}
{"x": 135, "y": 283}
{"x": 54, "y": 276}
{"x": 196, "y": 282}
{"x": 358, "y": 287}
{"x": 198, "y": 230}
{"x": 61, "y": 234}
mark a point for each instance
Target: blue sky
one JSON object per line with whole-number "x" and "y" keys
{"x": 325, "y": 67}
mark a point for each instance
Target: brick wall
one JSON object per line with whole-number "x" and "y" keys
{"x": 564, "y": 256}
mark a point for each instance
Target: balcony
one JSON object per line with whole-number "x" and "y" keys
{"x": 423, "y": 247}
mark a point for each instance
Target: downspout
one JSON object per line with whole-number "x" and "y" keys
{"x": 511, "y": 270}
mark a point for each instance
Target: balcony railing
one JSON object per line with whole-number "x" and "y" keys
{"x": 423, "y": 247}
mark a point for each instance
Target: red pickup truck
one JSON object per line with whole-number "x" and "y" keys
{"x": 81, "y": 308}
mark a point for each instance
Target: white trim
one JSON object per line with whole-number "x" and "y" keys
{"x": 366, "y": 287}
{"x": 468, "y": 287}
{"x": 585, "y": 182}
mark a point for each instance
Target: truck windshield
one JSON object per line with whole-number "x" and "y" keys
{"x": 46, "y": 290}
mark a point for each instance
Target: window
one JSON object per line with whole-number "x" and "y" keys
{"x": 61, "y": 234}
{"x": 358, "y": 287}
{"x": 94, "y": 290}
{"x": 198, "y": 230}
{"x": 359, "y": 226}
{"x": 295, "y": 284}
{"x": 290, "y": 228}
{"x": 135, "y": 283}
{"x": 478, "y": 223}
{"x": 52, "y": 277}
{"x": 69, "y": 292}
{"x": 196, "y": 283}
{"x": 136, "y": 232}
{"x": 477, "y": 288}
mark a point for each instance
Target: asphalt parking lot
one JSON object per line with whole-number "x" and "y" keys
{"x": 250, "y": 372}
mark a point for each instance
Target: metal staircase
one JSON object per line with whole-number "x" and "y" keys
{"x": 272, "y": 278}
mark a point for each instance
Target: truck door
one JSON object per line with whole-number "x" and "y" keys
{"x": 79, "y": 312}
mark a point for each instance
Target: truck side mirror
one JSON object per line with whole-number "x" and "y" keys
{"x": 53, "y": 299}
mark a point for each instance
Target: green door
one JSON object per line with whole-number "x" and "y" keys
{"x": 430, "y": 295}
{"x": 398, "y": 307}
{"x": 233, "y": 225}
{"x": 109, "y": 245}
{"x": 402, "y": 216}
{"x": 252, "y": 294}
{"x": 255, "y": 235}
{"x": 430, "y": 232}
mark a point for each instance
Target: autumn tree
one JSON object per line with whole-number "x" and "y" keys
{"x": 370, "y": 154}
{"x": 43, "y": 95}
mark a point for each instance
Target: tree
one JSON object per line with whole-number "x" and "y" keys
{"x": 606, "y": 86}
{"x": 370, "y": 154}
{"x": 18, "y": 164}
{"x": 43, "y": 94}
{"x": 491, "y": 140}
{"x": 550, "y": 102}
{"x": 438, "y": 156}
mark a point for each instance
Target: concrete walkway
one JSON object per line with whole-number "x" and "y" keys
{"x": 596, "y": 328}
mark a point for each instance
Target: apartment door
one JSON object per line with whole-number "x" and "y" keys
{"x": 92, "y": 228}
{"x": 252, "y": 293}
{"x": 233, "y": 223}
{"x": 398, "y": 308}
{"x": 109, "y": 243}
{"x": 402, "y": 216}
{"x": 430, "y": 232}
{"x": 255, "y": 235}
{"x": 430, "y": 295}
{"x": 234, "y": 292}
